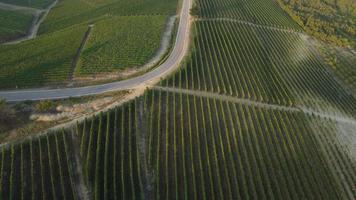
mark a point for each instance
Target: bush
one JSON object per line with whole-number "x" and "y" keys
{"x": 7, "y": 114}
{"x": 45, "y": 106}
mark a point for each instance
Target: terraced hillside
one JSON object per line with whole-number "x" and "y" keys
{"x": 70, "y": 16}
{"x": 253, "y": 113}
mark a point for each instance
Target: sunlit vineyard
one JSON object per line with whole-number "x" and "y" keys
{"x": 190, "y": 147}
{"x": 261, "y": 64}
{"x": 265, "y": 12}
{"x": 252, "y": 113}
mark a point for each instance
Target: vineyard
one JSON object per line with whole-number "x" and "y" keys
{"x": 32, "y": 3}
{"x": 39, "y": 168}
{"x": 169, "y": 145}
{"x": 121, "y": 42}
{"x": 262, "y": 64}
{"x": 252, "y": 113}
{"x": 125, "y": 34}
{"x": 72, "y": 12}
{"x": 13, "y": 24}
{"x": 256, "y": 11}
{"x": 45, "y": 60}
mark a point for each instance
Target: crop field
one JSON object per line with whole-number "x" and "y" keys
{"x": 70, "y": 12}
{"x": 169, "y": 145}
{"x": 47, "y": 59}
{"x": 25, "y": 64}
{"x": 263, "y": 12}
{"x": 39, "y": 168}
{"x": 120, "y": 42}
{"x": 13, "y": 24}
{"x": 262, "y": 64}
{"x": 31, "y": 3}
{"x": 252, "y": 113}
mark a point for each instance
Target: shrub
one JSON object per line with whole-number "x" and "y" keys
{"x": 45, "y": 106}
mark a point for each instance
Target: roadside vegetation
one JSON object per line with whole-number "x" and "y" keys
{"x": 13, "y": 24}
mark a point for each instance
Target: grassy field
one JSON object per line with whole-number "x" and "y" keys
{"x": 47, "y": 59}
{"x": 29, "y": 3}
{"x": 117, "y": 43}
{"x": 13, "y": 24}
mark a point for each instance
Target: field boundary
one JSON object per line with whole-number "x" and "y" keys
{"x": 79, "y": 52}
{"x": 252, "y": 24}
{"x": 233, "y": 99}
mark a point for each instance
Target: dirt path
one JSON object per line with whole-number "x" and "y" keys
{"x": 79, "y": 51}
{"x": 258, "y": 104}
{"x": 141, "y": 137}
{"x": 251, "y": 24}
{"x": 81, "y": 188}
{"x": 39, "y": 16}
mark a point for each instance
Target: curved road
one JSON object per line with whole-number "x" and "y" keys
{"x": 150, "y": 78}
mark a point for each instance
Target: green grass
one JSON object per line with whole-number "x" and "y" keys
{"x": 29, "y": 3}
{"x": 117, "y": 43}
{"x": 45, "y": 60}
{"x": 13, "y": 24}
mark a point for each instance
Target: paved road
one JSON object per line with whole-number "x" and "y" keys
{"x": 150, "y": 78}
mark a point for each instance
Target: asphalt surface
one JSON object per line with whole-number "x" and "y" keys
{"x": 148, "y": 79}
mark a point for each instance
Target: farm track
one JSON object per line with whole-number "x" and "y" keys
{"x": 251, "y": 24}
{"x": 148, "y": 79}
{"x": 79, "y": 51}
{"x": 38, "y": 18}
{"x": 257, "y": 104}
